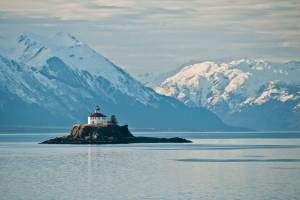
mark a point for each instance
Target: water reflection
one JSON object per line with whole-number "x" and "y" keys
{"x": 89, "y": 155}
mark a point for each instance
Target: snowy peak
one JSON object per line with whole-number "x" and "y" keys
{"x": 285, "y": 72}
{"x": 28, "y": 37}
{"x": 60, "y": 39}
{"x": 66, "y": 39}
{"x": 238, "y": 82}
{"x": 30, "y": 48}
{"x": 35, "y": 50}
{"x": 240, "y": 90}
{"x": 64, "y": 52}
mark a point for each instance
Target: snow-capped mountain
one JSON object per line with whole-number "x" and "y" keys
{"x": 57, "y": 80}
{"x": 35, "y": 51}
{"x": 154, "y": 79}
{"x": 250, "y": 93}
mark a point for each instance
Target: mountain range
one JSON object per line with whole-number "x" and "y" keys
{"x": 250, "y": 93}
{"x": 57, "y": 80}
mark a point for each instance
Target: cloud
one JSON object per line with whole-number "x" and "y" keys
{"x": 179, "y": 30}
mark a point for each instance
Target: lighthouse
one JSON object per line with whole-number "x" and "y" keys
{"x": 98, "y": 118}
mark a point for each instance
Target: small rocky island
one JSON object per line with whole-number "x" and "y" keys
{"x": 105, "y": 130}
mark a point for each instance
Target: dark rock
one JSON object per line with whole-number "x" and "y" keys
{"x": 110, "y": 134}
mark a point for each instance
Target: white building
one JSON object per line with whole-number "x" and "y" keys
{"x": 98, "y": 118}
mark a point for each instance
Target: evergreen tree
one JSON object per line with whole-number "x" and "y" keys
{"x": 113, "y": 120}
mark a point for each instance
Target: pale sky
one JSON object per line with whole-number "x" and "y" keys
{"x": 157, "y": 36}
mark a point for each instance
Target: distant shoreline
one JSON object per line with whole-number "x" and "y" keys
{"x": 186, "y": 134}
{"x": 49, "y": 129}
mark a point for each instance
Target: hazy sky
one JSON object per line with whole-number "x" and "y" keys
{"x": 150, "y": 35}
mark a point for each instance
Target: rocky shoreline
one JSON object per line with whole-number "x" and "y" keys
{"x": 109, "y": 134}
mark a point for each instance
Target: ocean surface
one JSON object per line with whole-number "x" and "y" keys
{"x": 215, "y": 166}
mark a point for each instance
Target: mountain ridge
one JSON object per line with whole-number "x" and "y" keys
{"x": 234, "y": 90}
{"x": 58, "y": 84}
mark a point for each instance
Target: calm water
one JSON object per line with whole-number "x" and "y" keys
{"x": 216, "y": 166}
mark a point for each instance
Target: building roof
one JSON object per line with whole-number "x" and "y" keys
{"x": 96, "y": 115}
